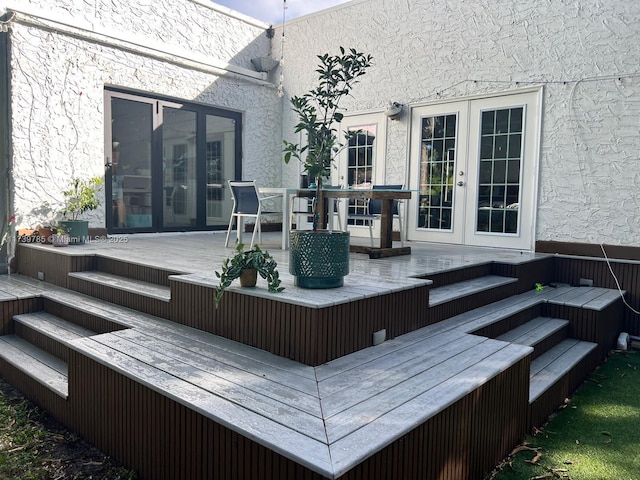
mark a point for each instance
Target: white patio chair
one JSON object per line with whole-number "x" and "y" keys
{"x": 247, "y": 202}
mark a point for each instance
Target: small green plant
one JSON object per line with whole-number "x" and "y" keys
{"x": 539, "y": 287}
{"x": 256, "y": 259}
{"x": 81, "y": 197}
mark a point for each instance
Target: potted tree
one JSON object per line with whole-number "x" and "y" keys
{"x": 320, "y": 258}
{"x": 82, "y": 196}
{"x": 247, "y": 265}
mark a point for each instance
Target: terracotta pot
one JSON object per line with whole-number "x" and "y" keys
{"x": 249, "y": 277}
{"x": 45, "y": 234}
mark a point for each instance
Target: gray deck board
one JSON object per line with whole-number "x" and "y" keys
{"x": 280, "y": 438}
{"x": 389, "y": 397}
{"x": 459, "y": 290}
{"x": 274, "y": 382}
{"x": 53, "y": 326}
{"x": 36, "y": 363}
{"x": 556, "y": 362}
{"x": 534, "y": 331}
{"x": 375, "y": 435}
{"x": 287, "y": 406}
{"x": 139, "y": 287}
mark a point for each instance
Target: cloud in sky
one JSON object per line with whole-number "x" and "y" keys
{"x": 270, "y": 11}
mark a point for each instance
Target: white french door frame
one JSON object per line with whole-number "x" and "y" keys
{"x": 467, "y": 163}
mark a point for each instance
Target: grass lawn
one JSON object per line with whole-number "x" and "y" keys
{"x": 596, "y": 436}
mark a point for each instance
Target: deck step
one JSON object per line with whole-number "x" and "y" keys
{"x": 542, "y": 333}
{"x": 52, "y": 326}
{"x": 455, "y": 291}
{"x": 137, "y": 287}
{"x": 553, "y": 365}
{"x": 35, "y": 363}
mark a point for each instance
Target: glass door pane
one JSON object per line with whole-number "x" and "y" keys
{"x": 361, "y": 154}
{"x": 220, "y": 167}
{"x": 179, "y": 167}
{"x": 129, "y": 176}
{"x": 499, "y": 172}
{"x": 437, "y": 171}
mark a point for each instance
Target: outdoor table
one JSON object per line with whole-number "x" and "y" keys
{"x": 387, "y": 197}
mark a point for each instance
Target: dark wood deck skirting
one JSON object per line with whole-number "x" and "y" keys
{"x": 93, "y": 322}
{"x": 309, "y": 335}
{"x": 448, "y": 277}
{"x": 529, "y": 273}
{"x": 144, "y": 273}
{"x": 466, "y": 440}
{"x": 133, "y": 300}
{"x": 9, "y": 308}
{"x": 31, "y": 260}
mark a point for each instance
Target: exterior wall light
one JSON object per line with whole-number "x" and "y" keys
{"x": 394, "y": 111}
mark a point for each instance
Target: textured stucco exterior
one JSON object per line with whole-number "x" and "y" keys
{"x": 60, "y": 68}
{"x": 584, "y": 54}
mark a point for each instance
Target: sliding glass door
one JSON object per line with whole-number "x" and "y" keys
{"x": 168, "y": 164}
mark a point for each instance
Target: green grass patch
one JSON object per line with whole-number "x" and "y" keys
{"x": 595, "y": 436}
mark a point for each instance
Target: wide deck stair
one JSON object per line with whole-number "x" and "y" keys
{"x": 568, "y": 330}
{"x": 141, "y": 288}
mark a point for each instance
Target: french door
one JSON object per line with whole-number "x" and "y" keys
{"x": 169, "y": 164}
{"x": 474, "y": 169}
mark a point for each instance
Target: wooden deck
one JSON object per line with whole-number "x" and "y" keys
{"x": 444, "y": 399}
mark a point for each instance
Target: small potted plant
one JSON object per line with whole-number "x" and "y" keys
{"x": 82, "y": 196}
{"x": 59, "y": 237}
{"x": 246, "y": 265}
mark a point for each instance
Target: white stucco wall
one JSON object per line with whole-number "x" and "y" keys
{"x": 58, "y": 78}
{"x": 584, "y": 53}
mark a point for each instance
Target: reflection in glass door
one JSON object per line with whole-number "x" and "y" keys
{"x": 179, "y": 167}
{"x": 437, "y": 171}
{"x": 499, "y": 173}
{"x": 128, "y": 172}
{"x": 220, "y": 165}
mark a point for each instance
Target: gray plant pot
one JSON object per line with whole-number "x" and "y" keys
{"x": 78, "y": 230}
{"x": 319, "y": 259}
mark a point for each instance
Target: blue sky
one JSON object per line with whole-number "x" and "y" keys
{"x": 270, "y": 11}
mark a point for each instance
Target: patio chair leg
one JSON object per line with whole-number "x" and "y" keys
{"x": 256, "y": 225}
{"x": 226, "y": 242}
